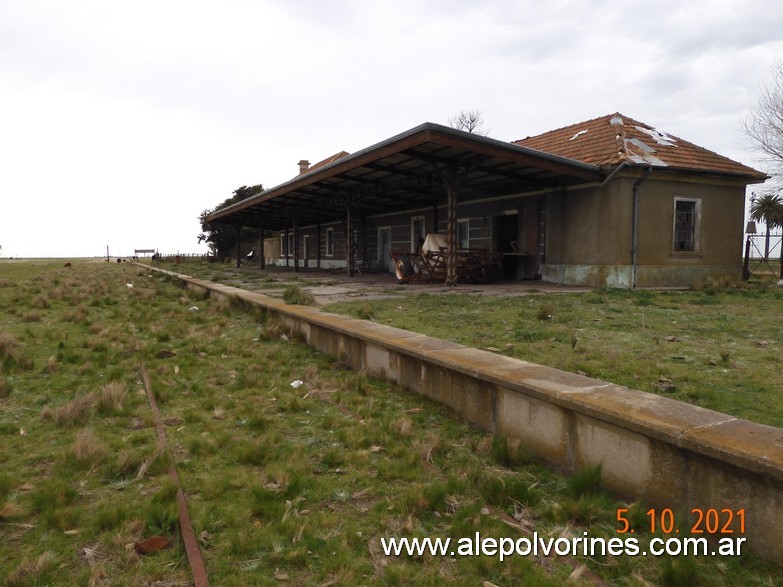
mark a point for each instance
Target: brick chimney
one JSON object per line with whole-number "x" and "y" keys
{"x": 304, "y": 165}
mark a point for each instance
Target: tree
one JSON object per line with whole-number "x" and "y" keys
{"x": 471, "y": 121}
{"x": 768, "y": 209}
{"x": 220, "y": 237}
{"x": 764, "y": 127}
{"x": 764, "y": 123}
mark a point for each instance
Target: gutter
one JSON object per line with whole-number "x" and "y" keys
{"x": 615, "y": 172}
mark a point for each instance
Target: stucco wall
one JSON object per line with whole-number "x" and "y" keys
{"x": 589, "y": 233}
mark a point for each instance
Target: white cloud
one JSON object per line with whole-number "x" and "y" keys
{"x": 122, "y": 121}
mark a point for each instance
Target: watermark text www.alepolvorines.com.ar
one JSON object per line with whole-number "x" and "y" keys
{"x": 576, "y": 546}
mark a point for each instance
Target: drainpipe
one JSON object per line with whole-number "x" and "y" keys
{"x": 635, "y": 226}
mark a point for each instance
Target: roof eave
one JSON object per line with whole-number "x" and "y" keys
{"x": 749, "y": 178}
{"x": 424, "y": 133}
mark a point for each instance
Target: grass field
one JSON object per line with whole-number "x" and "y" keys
{"x": 286, "y": 485}
{"x": 716, "y": 349}
{"x": 719, "y": 347}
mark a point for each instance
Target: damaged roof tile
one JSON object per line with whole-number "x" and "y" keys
{"x": 613, "y": 139}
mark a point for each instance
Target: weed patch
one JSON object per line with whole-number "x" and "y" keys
{"x": 111, "y": 397}
{"x": 294, "y": 294}
{"x": 74, "y": 412}
{"x": 294, "y": 485}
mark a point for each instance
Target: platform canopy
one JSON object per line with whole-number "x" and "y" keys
{"x": 411, "y": 170}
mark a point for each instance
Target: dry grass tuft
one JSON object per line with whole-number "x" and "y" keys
{"x": 112, "y": 397}
{"x": 75, "y": 411}
{"x": 51, "y": 365}
{"x": 5, "y": 388}
{"x": 312, "y": 376}
{"x": 403, "y": 425}
{"x": 29, "y": 572}
{"x": 98, "y": 575}
{"x": 12, "y": 354}
{"x": 8, "y": 344}
{"x": 88, "y": 449}
{"x": 32, "y": 317}
{"x": 10, "y": 510}
{"x": 77, "y": 315}
{"x": 429, "y": 446}
{"x": 41, "y": 303}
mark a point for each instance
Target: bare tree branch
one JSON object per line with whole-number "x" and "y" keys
{"x": 470, "y": 121}
{"x": 764, "y": 123}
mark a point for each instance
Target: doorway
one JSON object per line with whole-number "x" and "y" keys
{"x": 506, "y": 242}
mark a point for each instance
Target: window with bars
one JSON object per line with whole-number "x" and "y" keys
{"x": 686, "y": 216}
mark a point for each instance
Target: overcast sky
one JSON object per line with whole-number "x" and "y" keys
{"x": 121, "y": 121}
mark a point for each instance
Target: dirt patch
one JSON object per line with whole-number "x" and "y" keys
{"x": 330, "y": 287}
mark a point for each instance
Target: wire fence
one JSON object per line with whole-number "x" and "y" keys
{"x": 758, "y": 245}
{"x": 175, "y": 258}
{"x": 763, "y": 253}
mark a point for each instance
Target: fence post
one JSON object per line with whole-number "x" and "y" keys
{"x": 746, "y": 265}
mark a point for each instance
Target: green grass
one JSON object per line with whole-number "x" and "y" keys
{"x": 285, "y": 485}
{"x": 716, "y": 346}
{"x": 718, "y": 349}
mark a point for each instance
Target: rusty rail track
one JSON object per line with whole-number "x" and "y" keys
{"x": 192, "y": 549}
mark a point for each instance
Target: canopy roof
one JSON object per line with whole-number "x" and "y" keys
{"x": 408, "y": 171}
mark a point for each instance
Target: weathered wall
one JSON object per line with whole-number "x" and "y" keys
{"x": 589, "y": 233}
{"x": 669, "y": 453}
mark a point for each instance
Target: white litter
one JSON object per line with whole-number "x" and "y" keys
{"x": 130, "y": 285}
{"x": 193, "y": 309}
{"x": 297, "y": 383}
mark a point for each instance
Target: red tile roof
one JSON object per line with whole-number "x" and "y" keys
{"x": 612, "y": 139}
{"x": 329, "y": 160}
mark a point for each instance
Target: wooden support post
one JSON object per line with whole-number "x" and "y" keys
{"x": 349, "y": 239}
{"x": 451, "y": 230}
{"x": 286, "y": 252}
{"x": 348, "y": 201}
{"x": 261, "y": 252}
{"x": 318, "y": 245}
{"x": 296, "y": 241}
{"x": 452, "y": 177}
{"x": 746, "y": 264}
{"x": 238, "y": 232}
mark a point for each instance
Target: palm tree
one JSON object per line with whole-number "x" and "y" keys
{"x": 769, "y": 209}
